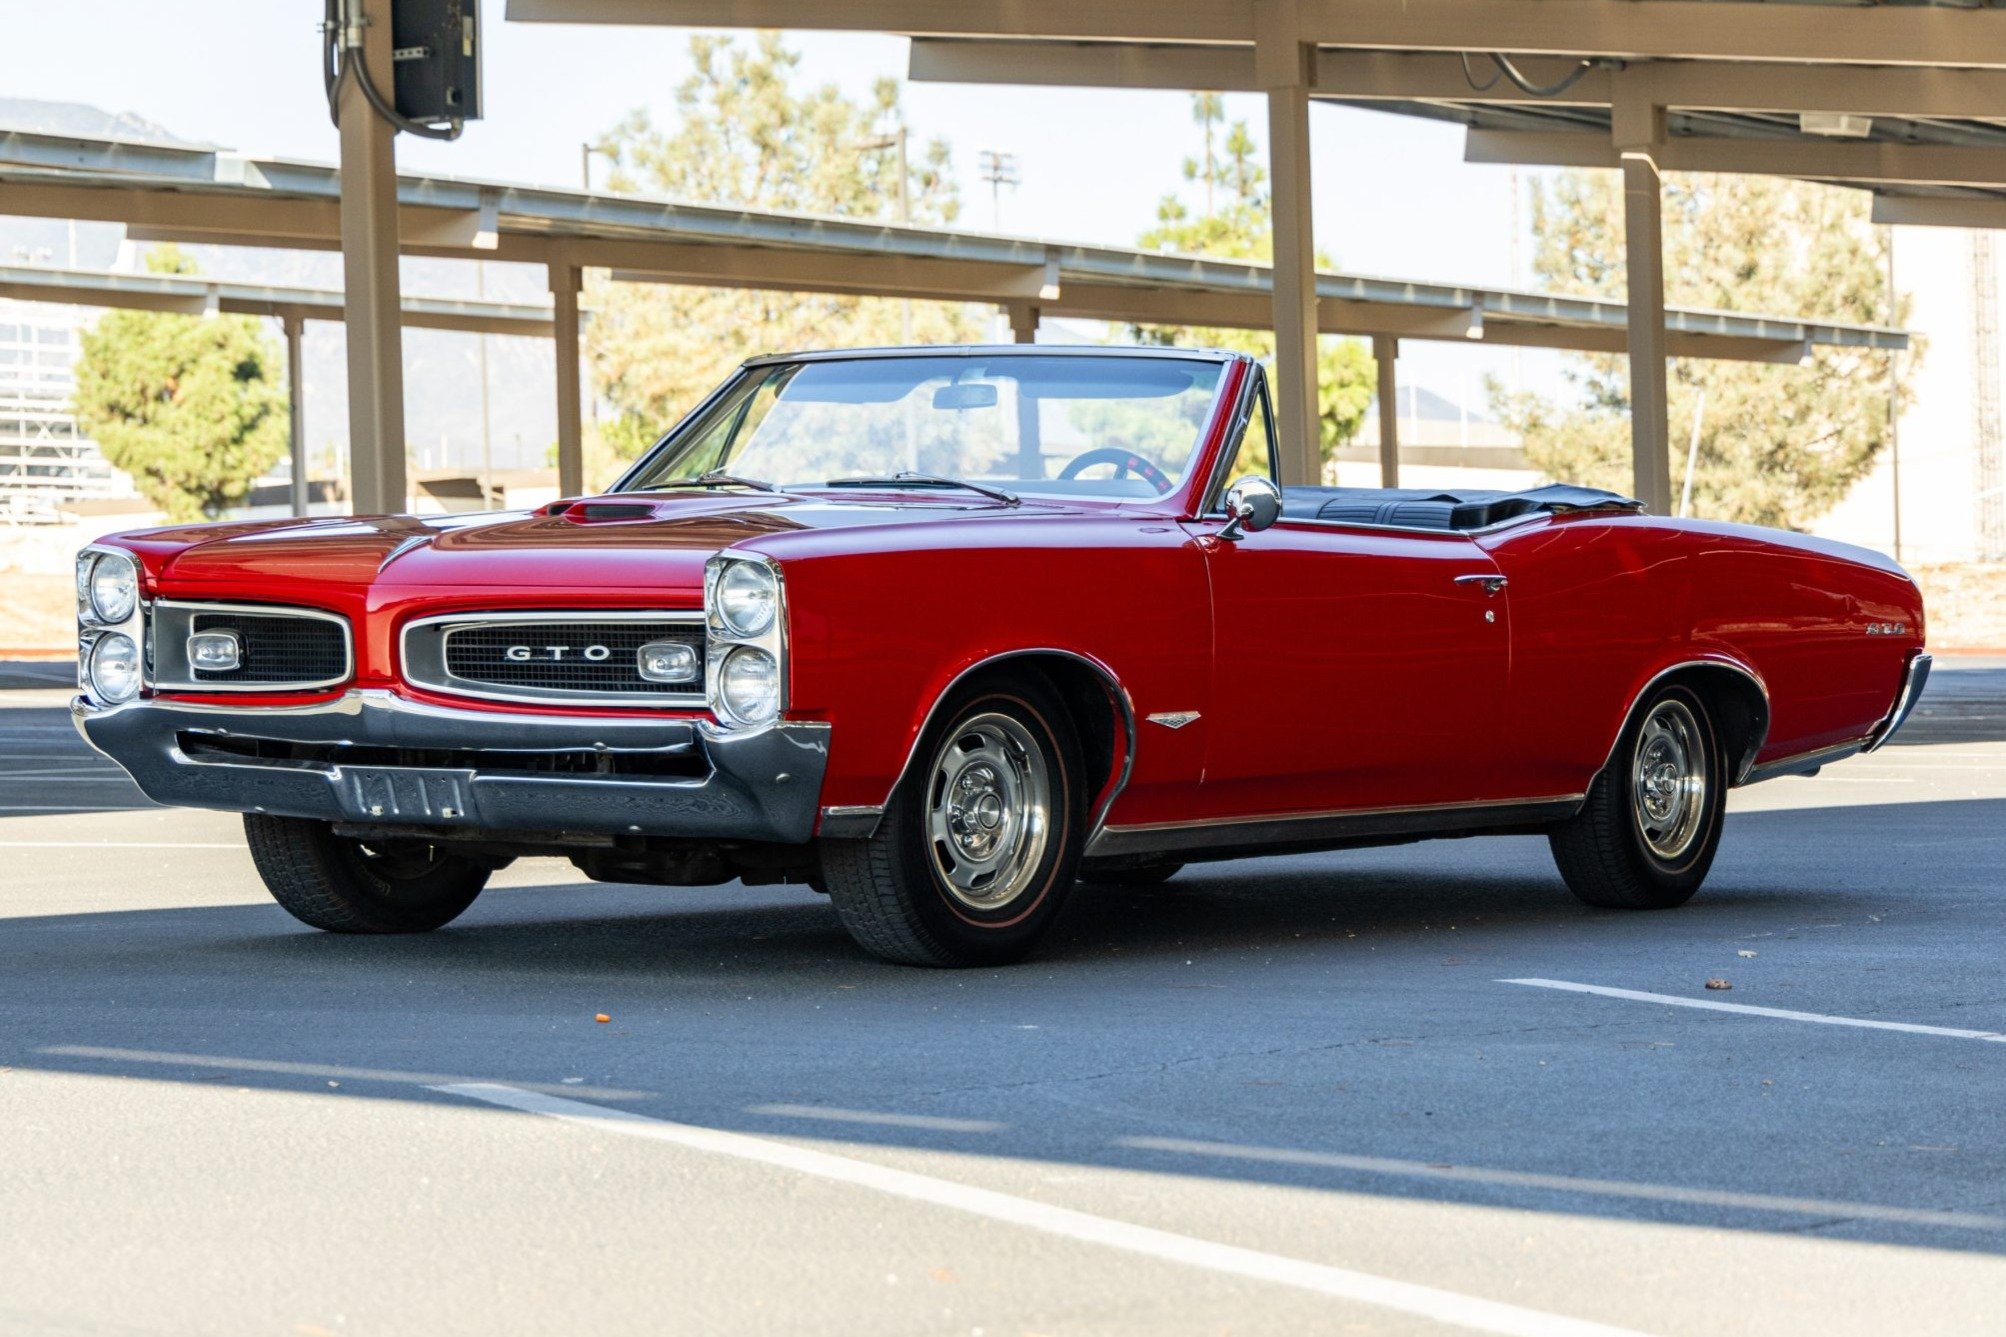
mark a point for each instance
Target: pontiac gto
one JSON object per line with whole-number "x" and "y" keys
{"x": 940, "y": 632}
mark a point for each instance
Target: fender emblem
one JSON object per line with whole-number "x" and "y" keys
{"x": 1887, "y": 628}
{"x": 1173, "y": 719}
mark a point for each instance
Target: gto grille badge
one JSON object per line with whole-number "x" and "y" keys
{"x": 522, "y": 654}
{"x": 1173, "y": 719}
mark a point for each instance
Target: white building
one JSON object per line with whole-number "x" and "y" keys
{"x": 1947, "y": 456}
{"x": 45, "y": 463}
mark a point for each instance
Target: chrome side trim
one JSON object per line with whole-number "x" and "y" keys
{"x": 1805, "y": 763}
{"x": 1232, "y": 836}
{"x": 446, "y": 681}
{"x": 194, "y": 607}
{"x": 1914, "y": 678}
{"x": 1097, "y": 819}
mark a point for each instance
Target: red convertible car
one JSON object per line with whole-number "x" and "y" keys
{"x": 940, "y": 632}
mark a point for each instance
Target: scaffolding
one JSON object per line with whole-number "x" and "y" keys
{"x": 45, "y": 462}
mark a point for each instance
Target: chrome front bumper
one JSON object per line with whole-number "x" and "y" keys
{"x": 761, "y": 785}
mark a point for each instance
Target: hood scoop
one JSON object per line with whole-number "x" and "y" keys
{"x": 594, "y": 512}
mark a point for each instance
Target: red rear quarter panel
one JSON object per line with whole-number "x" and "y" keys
{"x": 1601, "y": 604}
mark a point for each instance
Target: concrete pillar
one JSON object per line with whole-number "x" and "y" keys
{"x": 371, "y": 293}
{"x": 295, "y": 327}
{"x": 1283, "y": 65}
{"x": 564, "y": 283}
{"x": 1024, "y": 319}
{"x": 1386, "y": 352}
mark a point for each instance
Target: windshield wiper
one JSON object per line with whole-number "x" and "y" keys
{"x": 719, "y": 478}
{"x": 909, "y": 476}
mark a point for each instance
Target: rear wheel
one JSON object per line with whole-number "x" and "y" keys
{"x": 972, "y": 860}
{"x": 1649, "y": 830}
{"x": 349, "y": 886}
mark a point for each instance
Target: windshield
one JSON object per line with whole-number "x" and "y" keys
{"x": 1103, "y": 425}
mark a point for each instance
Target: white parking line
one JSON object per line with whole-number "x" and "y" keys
{"x": 431, "y": 1081}
{"x": 1780, "y": 1013}
{"x": 833, "y": 1115}
{"x": 118, "y": 845}
{"x": 1464, "y": 1311}
{"x": 1605, "y": 1188}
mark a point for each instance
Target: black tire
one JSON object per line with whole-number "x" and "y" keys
{"x": 345, "y": 886}
{"x": 894, "y": 891}
{"x": 1139, "y": 875}
{"x": 1608, "y": 854}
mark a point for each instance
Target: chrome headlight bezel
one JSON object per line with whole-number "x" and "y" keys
{"x": 726, "y": 638}
{"x": 95, "y": 627}
{"x": 112, "y": 588}
{"x": 102, "y": 646}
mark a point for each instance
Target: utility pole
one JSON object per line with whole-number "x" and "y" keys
{"x": 999, "y": 170}
{"x": 897, "y": 140}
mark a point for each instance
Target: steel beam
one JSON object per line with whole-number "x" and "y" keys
{"x": 370, "y": 280}
{"x": 564, "y": 284}
{"x": 1024, "y": 320}
{"x": 1386, "y": 352}
{"x": 1940, "y": 211}
{"x": 1665, "y": 29}
{"x": 1165, "y": 20}
{"x": 1650, "y": 409}
{"x": 1802, "y": 157}
{"x": 1697, "y": 29}
{"x": 295, "y": 327}
{"x": 1438, "y": 76}
{"x": 1283, "y": 70}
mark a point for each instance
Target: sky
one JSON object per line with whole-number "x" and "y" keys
{"x": 1392, "y": 195}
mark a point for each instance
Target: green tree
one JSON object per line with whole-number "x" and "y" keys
{"x": 191, "y": 407}
{"x": 1778, "y": 445}
{"x": 1235, "y": 225}
{"x": 744, "y": 135}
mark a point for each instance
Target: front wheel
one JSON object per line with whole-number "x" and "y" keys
{"x": 349, "y": 886}
{"x": 974, "y": 855}
{"x": 1647, "y": 834}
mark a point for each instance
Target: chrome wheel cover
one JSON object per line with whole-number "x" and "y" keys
{"x": 989, "y": 811}
{"x": 1668, "y": 780}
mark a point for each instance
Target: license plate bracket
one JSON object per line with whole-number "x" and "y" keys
{"x": 406, "y": 794}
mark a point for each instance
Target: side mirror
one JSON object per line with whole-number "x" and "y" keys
{"x": 1252, "y": 504}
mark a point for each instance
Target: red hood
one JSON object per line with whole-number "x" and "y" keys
{"x": 609, "y": 545}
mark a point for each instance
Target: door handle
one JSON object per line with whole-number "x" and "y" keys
{"x": 1492, "y": 584}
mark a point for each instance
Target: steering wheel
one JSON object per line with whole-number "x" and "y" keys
{"x": 1125, "y": 462}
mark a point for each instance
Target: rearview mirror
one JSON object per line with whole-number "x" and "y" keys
{"x": 973, "y": 395}
{"x": 1252, "y": 504}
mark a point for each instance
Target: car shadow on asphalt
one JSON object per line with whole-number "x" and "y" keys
{"x": 1262, "y": 958}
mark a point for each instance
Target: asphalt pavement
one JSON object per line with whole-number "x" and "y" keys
{"x": 1413, "y": 1090}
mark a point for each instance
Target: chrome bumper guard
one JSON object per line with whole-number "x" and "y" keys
{"x": 761, "y": 785}
{"x": 1912, "y": 684}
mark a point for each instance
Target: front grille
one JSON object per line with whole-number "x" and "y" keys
{"x": 279, "y": 649}
{"x": 581, "y": 658}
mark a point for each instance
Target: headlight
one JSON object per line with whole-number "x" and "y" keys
{"x": 114, "y": 668}
{"x": 114, "y": 587}
{"x": 747, "y": 597}
{"x": 748, "y": 685}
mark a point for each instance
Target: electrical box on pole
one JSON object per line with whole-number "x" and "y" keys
{"x": 437, "y": 59}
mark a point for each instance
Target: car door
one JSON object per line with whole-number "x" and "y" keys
{"x": 1355, "y": 667}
